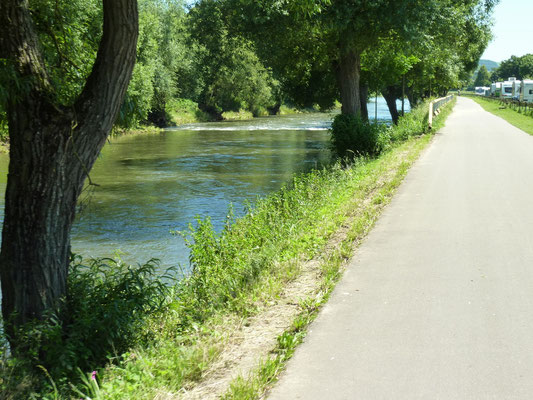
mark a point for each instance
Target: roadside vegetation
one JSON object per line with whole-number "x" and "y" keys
{"x": 132, "y": 333}
{"x": 519, "y": 117}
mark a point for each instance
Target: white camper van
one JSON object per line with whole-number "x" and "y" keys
{"x": 481, "y": 90}
{"x": 507, "y": 88}
{"x": 526, "y": 90}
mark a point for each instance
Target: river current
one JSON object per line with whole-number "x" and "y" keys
{"x": 152, "y": 184}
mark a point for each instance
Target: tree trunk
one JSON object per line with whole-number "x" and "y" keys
{"x": 391, "y": 97}
{"x": 274, "y": 109}
{"x": 348, "y": 76}
{"x": 52, "y": 149}
{"x": 44, "y": 181}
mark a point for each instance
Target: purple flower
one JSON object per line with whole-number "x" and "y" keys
{"x": 93, "y": 375}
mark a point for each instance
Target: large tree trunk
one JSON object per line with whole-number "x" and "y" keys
{"x": 52, "y": 149}
{"x": 390, "y": 95}
{"x": 348, "y": 76}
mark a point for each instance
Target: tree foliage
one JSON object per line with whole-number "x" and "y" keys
{"x": 232, "y": 75}
{"x": 483, "y": 77}
{"x": 518, "y": 67}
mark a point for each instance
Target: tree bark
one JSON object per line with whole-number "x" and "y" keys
{"x": 52, "y": 150}
{"x": 389, "y": 93}
{"x": 348, "y": 76}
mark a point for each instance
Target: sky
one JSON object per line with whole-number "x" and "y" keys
{"x": 513, "y": 30}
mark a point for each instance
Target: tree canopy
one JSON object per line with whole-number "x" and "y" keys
{"x": 483, "y": 77}
{"x": 518, "y": 67}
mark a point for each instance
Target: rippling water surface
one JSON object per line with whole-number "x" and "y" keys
{"x": 152, "y": 184}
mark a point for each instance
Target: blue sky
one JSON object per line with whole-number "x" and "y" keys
{"x": 513, "y": 30}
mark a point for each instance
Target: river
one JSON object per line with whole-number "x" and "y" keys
{"x": 152, "y": 184}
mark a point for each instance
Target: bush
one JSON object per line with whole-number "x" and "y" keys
{"x": 104, "y": 315}
{"x": 352, "y": 137}
{"x": 411, "y": 124}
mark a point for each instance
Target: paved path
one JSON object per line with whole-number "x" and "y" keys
{"x": 438, "y": 301}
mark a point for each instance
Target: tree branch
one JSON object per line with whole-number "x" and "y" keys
{"x": 21, "y": 45}
{"x": 102, "y": 96}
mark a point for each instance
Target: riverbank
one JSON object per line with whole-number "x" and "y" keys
{"x": 184, "y": 111}
{"x": 253, "y": 290}
{"x": 517, "y": 118}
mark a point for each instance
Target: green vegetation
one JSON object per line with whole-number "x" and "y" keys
{"x": 518, "y": 117}
{"x": 483, "y": 77}
{"x": 232, "y": 64}
{"x": 352, "y": 137}
{"x": 157, "y": 335}
{"x": 323, "y": 51}
{"x": 519, "y": 67}
{"x": 183, "y": 111}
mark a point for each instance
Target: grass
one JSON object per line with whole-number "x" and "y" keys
{"x": 237, "y": 274}
{"x": 254, "y": 385}
{"x": 237, "y": 115}
{"x": 184, "y": 111}
{"x": 145, "y": 129}
{"x": 522, "y": 120}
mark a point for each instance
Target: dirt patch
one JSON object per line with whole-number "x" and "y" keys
{"x": 255, "y": 338}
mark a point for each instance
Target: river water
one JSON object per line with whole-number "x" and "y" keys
{"x": 152, "y": 184}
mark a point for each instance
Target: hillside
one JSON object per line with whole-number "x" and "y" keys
{"x": 490, "y": 65}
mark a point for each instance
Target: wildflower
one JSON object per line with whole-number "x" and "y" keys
{"x": 93, "y": 375}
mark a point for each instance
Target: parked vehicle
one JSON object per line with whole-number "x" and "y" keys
{"x": 507, "y": 88}
{"x": 526, "y": 90}
{"x": 516, "y": 90}
{"x": 495, "y": 89}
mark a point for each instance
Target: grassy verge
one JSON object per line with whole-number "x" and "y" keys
{"x": 520, "y": 119}
{"x": 184, "y": 111}
{"x": 394, "y": 166}
{"x": 238, "y": 115}
{"x": 162, "y": 341}
{"x": 146, "y": 129}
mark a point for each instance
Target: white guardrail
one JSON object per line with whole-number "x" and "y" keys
{"x": 434, "y": 108}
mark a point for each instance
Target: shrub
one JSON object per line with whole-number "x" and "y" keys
{"x": 104, "y": 315}
{"x": 411, "y": 124}
{"x": 352, "y": 137}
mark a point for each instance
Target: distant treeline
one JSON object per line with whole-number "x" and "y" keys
{"x": 231, "y": 55}
{"x": 518, "y": 67}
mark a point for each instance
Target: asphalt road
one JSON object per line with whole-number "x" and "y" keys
{"x": 438, "y": 301}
